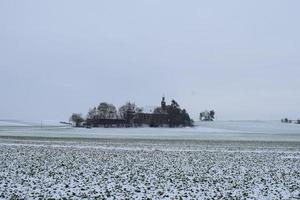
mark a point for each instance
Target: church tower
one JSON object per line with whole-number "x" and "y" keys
{"x": 163, "y": 104}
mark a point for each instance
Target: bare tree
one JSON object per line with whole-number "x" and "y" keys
{"x": 93, "y": 113}
{"x": 106, "y": 111}
{"x": 77, "y": 119}
{"x": 112, "y": 112}
{"x": 128, "y": 108}
{"x": 207, "y": 115}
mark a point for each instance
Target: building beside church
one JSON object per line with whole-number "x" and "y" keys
{"x": 153, "y": 119}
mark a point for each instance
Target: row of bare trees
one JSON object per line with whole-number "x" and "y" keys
{"x": 106, "y": 111}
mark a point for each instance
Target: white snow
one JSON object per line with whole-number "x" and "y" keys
{"x": 266, "y": 127}
{"x": 219, "y": 160}
{"x": 12, "y": 123}
{"x": 113, "y": 169}
{"x": 230, "y": 130}
{"x": 26, "y": 123}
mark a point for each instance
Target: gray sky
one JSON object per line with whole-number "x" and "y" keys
{"x": 240, "y": 58}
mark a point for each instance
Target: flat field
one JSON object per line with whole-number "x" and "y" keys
{"x": 34, "y": 167}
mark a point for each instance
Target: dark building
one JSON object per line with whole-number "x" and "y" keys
{"x": 153, "y": 119}
{"x": 150, "y": 119}
{"x": 105, "y": 123}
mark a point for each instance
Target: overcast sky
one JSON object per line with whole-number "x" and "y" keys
{"x": 241, "y": 58}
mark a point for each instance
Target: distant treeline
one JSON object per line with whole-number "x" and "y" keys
{"x": 130, "y": 115}
{"x": 286, "y": 120}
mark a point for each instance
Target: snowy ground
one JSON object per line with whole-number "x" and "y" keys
{"x": 229, "y": 160}
{"x": 119, "y": 169}
{"x": 222, "y": 130}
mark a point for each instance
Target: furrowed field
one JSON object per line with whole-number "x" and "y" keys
{"x": 148, "y": 169}
{"x": 219, "y": 160}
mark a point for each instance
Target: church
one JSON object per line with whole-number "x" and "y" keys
{"x": 158, "y": 118}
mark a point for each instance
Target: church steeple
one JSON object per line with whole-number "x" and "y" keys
{"x": 163, "y": 103}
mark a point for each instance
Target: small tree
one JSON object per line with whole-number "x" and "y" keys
{"x": 212, "y": 115}
{"x": 174, "y": 104}
{"x": 186, "y": 118}
{"x": 207, "y": 115}
{"x": 103, "y": 110}
{"x": 112, "y": 112}
{"x": 128, "y": 108}
{"x": 175, "y": 114}
{"x": 76, "y": 119}
{"x": 106, "y": 111}
{"x": 93, "y": 113}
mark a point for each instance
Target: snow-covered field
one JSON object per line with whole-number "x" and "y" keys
{"x": 222, "y": 130}
{"x": 229, "y": 160}
{"x": 119, "y": 169}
